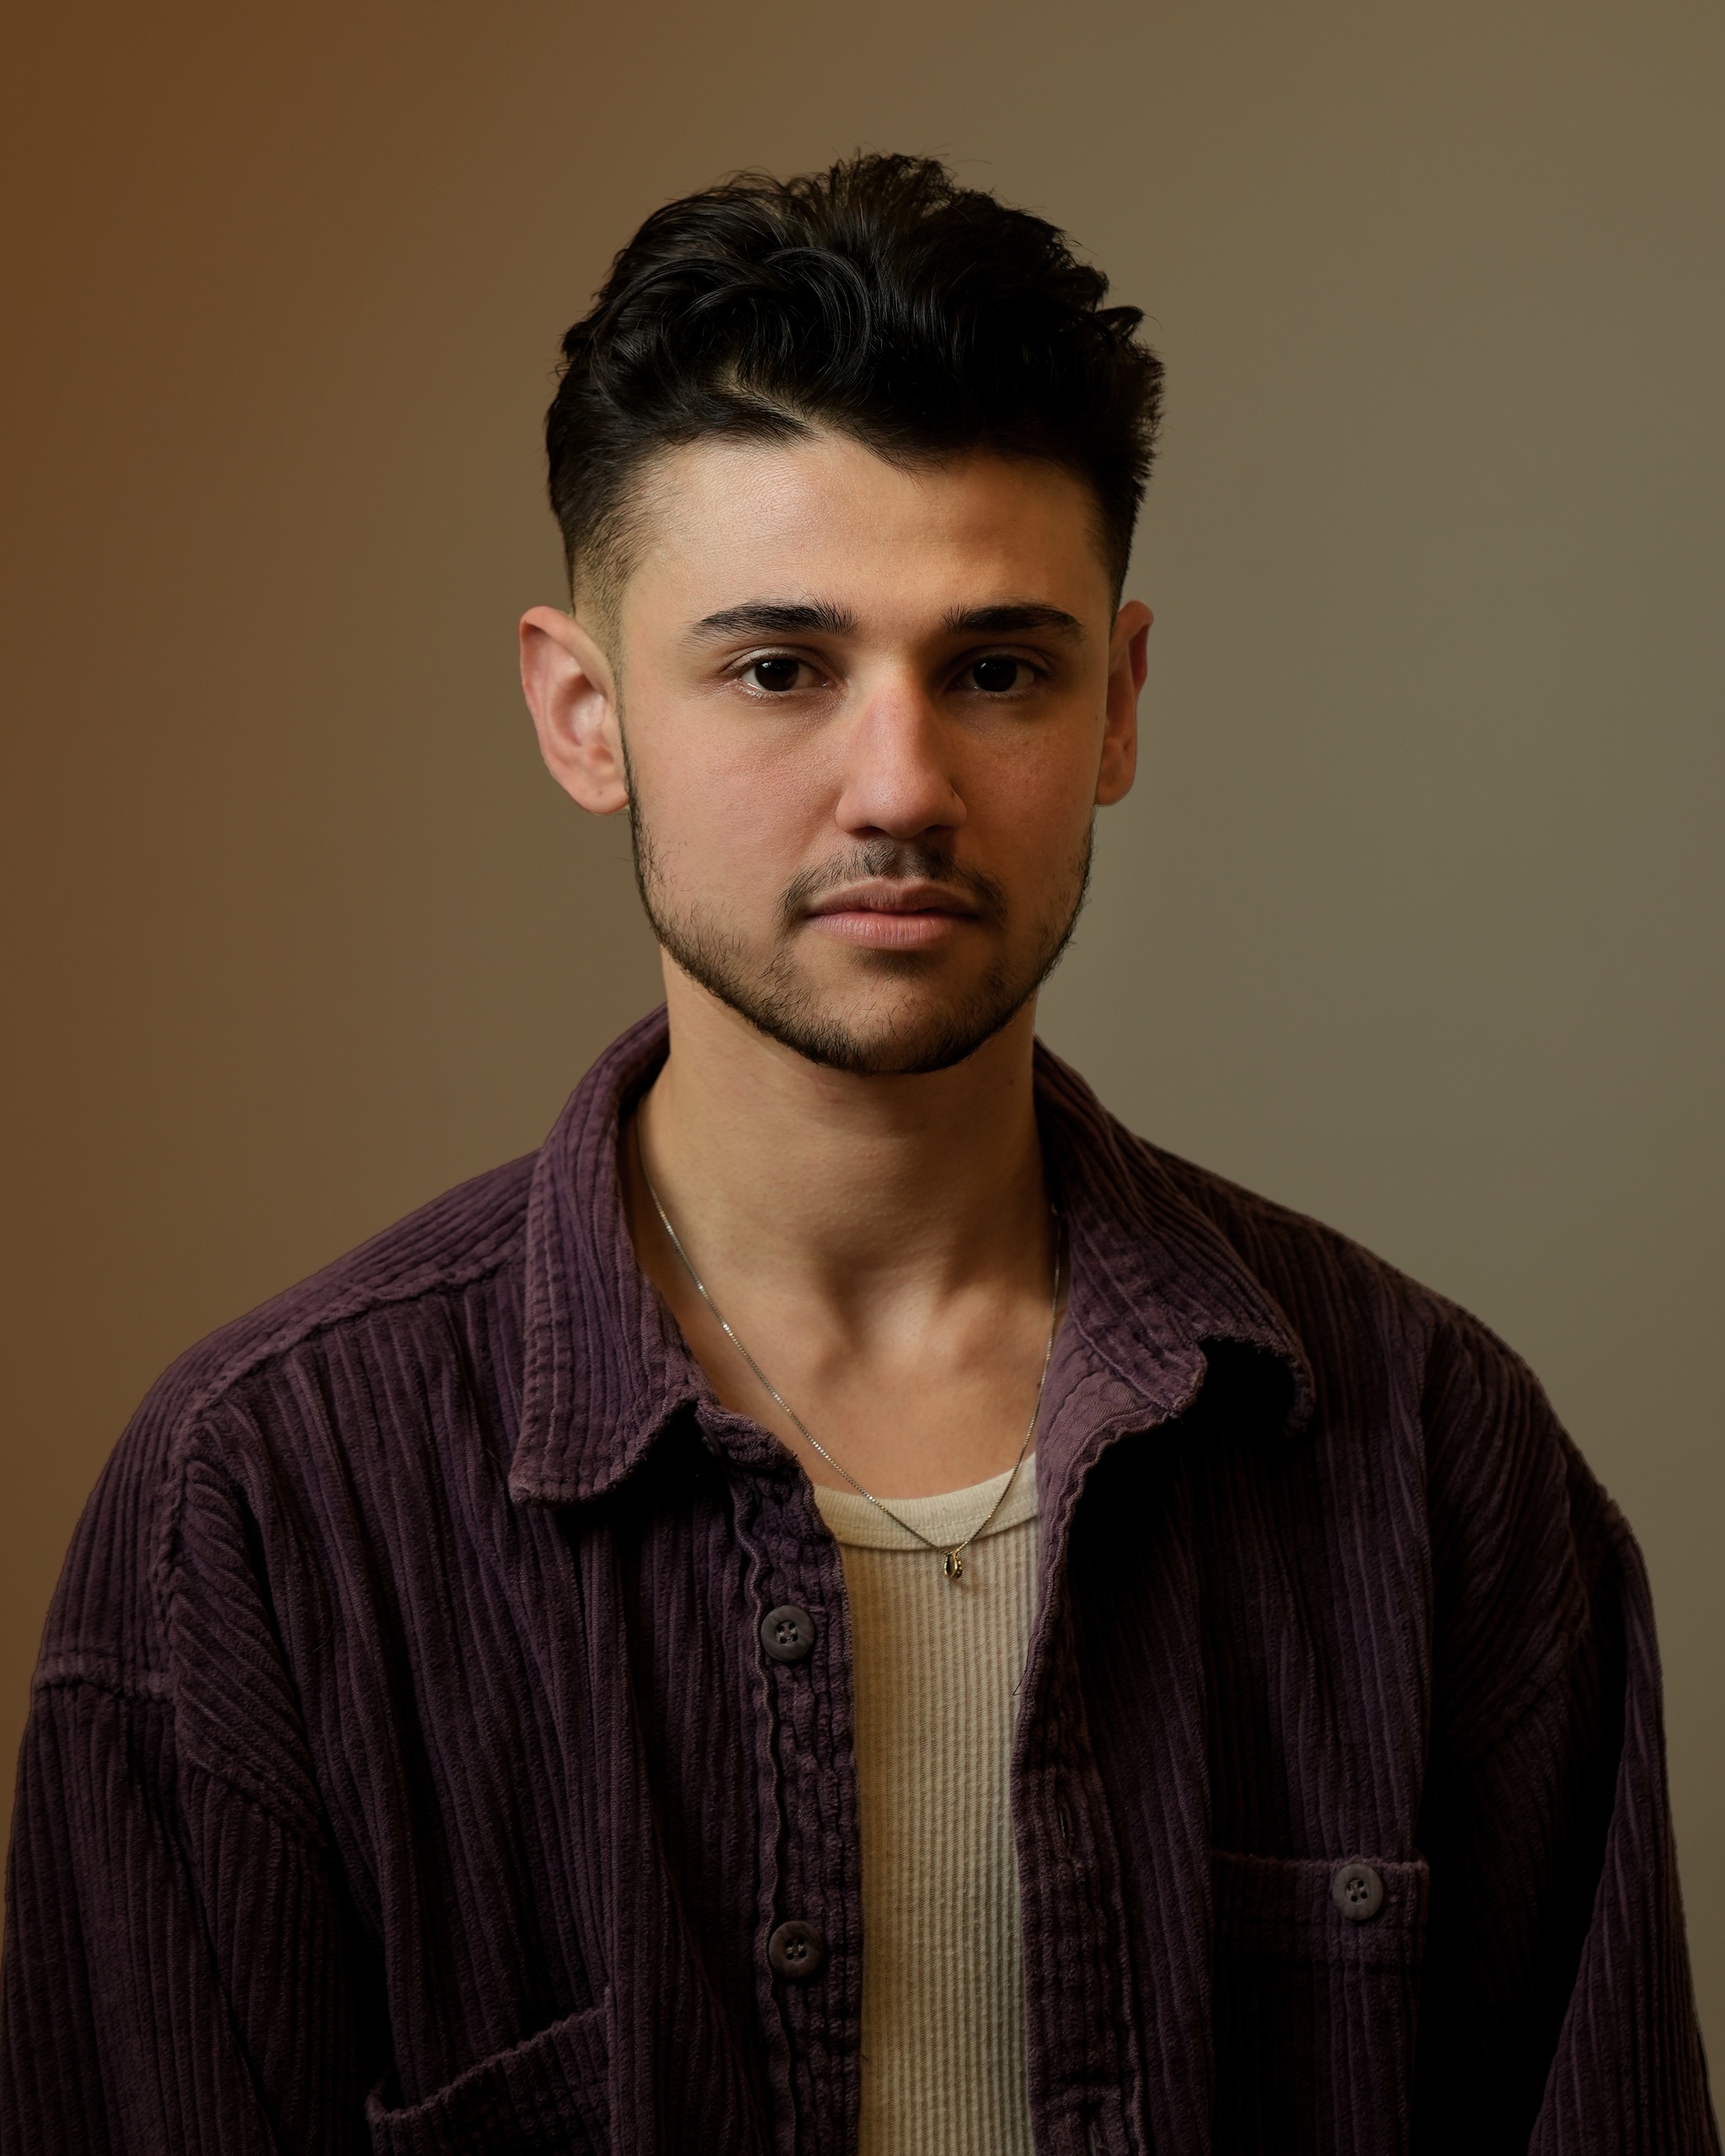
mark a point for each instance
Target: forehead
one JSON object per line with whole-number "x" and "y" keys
{"x": 822, "y": 517}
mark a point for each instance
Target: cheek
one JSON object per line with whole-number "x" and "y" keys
{"x": 730, "y": 812}
{"x": 1038, "y": 805}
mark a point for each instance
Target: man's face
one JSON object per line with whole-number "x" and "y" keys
{"x": 863, "y": 713}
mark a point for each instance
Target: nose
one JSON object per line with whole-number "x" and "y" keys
{"x": 898, "y": 781}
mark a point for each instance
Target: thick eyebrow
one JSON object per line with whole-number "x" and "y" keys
{"x": 1011, "y": 619}
{"x": 776, "y": 617}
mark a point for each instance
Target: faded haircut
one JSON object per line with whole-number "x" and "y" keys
{"x": 878, "y": 298}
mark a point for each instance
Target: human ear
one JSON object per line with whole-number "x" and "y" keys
{"x": 1127, "y": 666}
{"x": 571, "y": 693}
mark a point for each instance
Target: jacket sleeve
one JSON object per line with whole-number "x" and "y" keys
{"x": 179, "y": 1962}
{"x": 1558, "y": 2013}
{"x": 1628, "y": 2072}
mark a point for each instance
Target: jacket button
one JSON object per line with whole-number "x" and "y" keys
{"x": 788, "y": 1633}
{"x": 797, "y": 1950}
{"x": 1357, "y": 1892}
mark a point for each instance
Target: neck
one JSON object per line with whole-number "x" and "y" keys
{"x": 864, "y": 1192}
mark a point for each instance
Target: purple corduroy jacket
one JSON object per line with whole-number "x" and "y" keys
{"x": 408, "y": 1770}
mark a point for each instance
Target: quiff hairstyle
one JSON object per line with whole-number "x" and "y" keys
{"x": 878, "y": 298}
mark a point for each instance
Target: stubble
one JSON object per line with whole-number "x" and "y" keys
{"x": 915, "y": 1033}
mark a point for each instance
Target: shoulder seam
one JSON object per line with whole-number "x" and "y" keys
{"x": 296, "y": 1334}
{"x": 85, "y": 1672}
{"x": 150, "y": 1688}
{"x": 195, "y": 1417}
{"x": 1243, "y": 1199}
{"x": 101, "y": 1673}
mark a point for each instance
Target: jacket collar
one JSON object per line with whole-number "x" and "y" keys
{"x": 1154, "y": 1283}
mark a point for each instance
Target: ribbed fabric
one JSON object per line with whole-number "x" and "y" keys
{"x": 935, "y": 1668}
{"x": 406, "y": 1771}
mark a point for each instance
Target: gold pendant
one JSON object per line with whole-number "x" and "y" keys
{"x": 955, "y": 1564}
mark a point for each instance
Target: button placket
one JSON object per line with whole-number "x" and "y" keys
{"x": 809, "y": 1969}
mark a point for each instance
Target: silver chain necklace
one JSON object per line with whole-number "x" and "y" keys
{"x": 952, "y": 1554}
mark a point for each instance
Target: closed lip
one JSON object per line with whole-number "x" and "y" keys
{"x": 891, "y": 897}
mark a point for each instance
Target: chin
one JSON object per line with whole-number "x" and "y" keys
{"x": 901, "y": 1029}
{"x": 909, "y": 1044}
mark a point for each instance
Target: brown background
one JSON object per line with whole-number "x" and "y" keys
{"x": 1414, "y": 919}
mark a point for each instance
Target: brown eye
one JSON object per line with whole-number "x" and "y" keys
{"x": 996, "y": 677}
{"x": 774, "y": 674}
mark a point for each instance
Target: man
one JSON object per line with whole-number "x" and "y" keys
{"x": 849, "y": 1603}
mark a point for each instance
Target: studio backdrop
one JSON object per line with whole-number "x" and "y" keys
{"x": 1414, "y": 919}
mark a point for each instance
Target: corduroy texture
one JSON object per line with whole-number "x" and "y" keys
{"x": 935, "y": 1670}
{"x": 406, "y": 1770}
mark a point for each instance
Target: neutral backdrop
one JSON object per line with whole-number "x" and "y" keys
{"x": 1414, "y": 919}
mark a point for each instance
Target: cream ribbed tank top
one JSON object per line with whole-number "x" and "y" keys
{"x": 935, "y": 1670}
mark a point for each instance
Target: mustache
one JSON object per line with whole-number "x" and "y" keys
{"x": 900, "y": 860}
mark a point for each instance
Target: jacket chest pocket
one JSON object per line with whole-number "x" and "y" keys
{"x": 545, "y": 2097}
{"x": 1315, "y": 1997}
